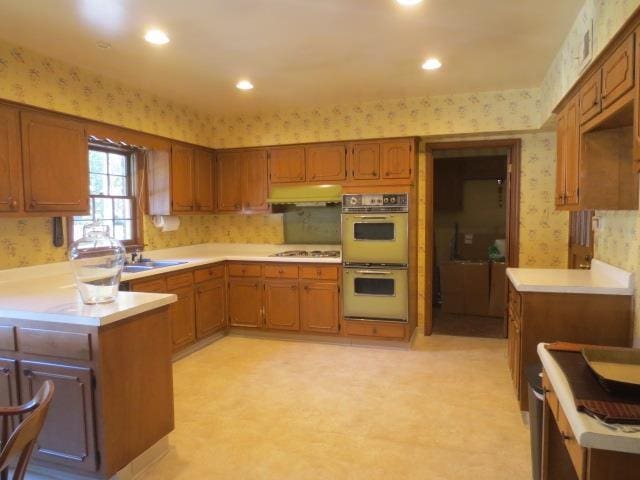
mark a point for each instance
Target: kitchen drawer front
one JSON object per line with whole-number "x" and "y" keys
{"x": 179, "y": 280}
{"x": 281, "y": 271}
{"x": 55, "y": 344}
{"x": 319, "y": 272}
{"x": 208, "y": 273}
{"x": 7, "y": 338}
{"x": 155, "y": 285}
{"x": 375, "y": 329}
{"x": 577, "y": 454}
{"x": 550, "y": 396}
{"x": 245, "y": 270}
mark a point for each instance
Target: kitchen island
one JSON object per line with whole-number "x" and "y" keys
{"x": 110, "y": 363}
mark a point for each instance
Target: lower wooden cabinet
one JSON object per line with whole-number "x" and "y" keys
{"x": 71, "y": 412}
{"x": 281, "y": 304}
{"x": 320, "y": 306}
{"x": 210, "y": 307}
{"x": 182, "y": 314}
{"x": 245, "y": 302}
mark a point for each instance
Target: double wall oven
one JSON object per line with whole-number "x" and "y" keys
{"x": 375, "y": 256}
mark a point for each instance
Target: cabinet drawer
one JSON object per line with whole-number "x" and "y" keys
{"x": 54, "y": 343}
{"x": 180, "y": 280}
{"x": 245, "y": 270}
{"x": 281, "y": 271}
{"x": 155, "y": 285}
{"x": 576, "y": 452}
{"x": 7, "y": 338}
{"x": 208, "y": 273}
{"x": 319, "y": 272}
{"x": 374, "y": 329}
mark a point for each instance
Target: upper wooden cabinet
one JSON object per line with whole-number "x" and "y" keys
{"x": 326, "y": 163}
{"x": 365, "y": 161}
{"x": 181, "y": 181}
{"x": 397, "y": 159}
{"x": 287, "y": 164}
{"x": 618, "y": 72}
{"x": 243, "y": 181}
{"x": 589, "y": 97}
{"x": 203, "y": 182}
{"x": 54, "y": 163}
{"x": 568, "y": 156}
{"x": 10, "y": 171}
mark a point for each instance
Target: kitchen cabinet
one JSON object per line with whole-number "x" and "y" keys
{"x": 365, "y": 161}
{"x": 536, "y": 317}
{"x": 326, "y": 163}
{"x": 397, "y": 159}
{"x": 618, "y": 72}
{"x": 589, "y": 97}
{"x": 71, "y": 411}
{"x": 181, "y": 182}
{"x": 568, "y": 156}
{"x": 320, "y": 298}
{"x": 245, "y": 302}
{"x": 243, "y": 181}
{"x": 210, "y": 307}
{"x": 182, "y": 315}
{"x": 55, "y": 164}
{"x": 287, "y": 164}
{"x": 10, "y": 161}
{"x": 281, "y": 304}
{"x": 564, "y": 458}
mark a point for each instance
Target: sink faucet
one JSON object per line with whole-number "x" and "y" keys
{"x": 138, "y": 257}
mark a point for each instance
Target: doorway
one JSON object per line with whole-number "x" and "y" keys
{"x": 471, "y": 234}
{"x": 581, "y": 239}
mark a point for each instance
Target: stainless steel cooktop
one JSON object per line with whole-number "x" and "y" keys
{"x": 309, "y": 253}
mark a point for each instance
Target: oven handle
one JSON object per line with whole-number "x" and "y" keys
{"x": 372, "y": 217}
{"x": 374, "y": 272}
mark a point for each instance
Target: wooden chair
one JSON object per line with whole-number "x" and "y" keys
{"x": 22, "y": 440}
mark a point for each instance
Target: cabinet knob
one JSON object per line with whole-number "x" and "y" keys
{"x": 374, "y": 173}
{"x": 387, "y": 173}
{"x": 13, "y": 203}
{"x": 33, "y": 203}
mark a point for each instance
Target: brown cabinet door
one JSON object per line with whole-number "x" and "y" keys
{"x": 229, "y": 181}
{"x": 210, "y": 307}
{"x": 617, "y": 72}
{"x": 561, "y": 158}
{"x": 572, "y": 155}
{"x": 68, "y": 436}
{"x": 397, "y": 159}
{"x": 281, "y": 303}
{"x": 589, "y": 97}
{"x": 245, "y": 302}
{"x": 55, "y": 164}
{"x": 287, "y": 165}
{"x": 326, "y": 163}
{"x": 182, "y": 313}
{"x": 10, "y": 173}
{"x": 181, "y": 179}
{"x": 365, "y": 161}
{"x": 203, "y": 183}
{"x": 255, "y": 183}
{"x": 320, "y": 307}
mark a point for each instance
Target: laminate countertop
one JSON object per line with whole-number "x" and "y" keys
{"x": 589, "y": 432}
{"x": 48, "y": 293}
{"x": 602, "y": 279}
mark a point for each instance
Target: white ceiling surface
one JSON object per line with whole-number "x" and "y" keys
{"x": 298, "y": 53}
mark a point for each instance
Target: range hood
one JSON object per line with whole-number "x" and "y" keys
{"x": 305, "y": 195}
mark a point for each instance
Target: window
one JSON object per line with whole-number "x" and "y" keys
{"x": 112, "y": 194}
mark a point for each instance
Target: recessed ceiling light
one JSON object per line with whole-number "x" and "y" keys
{"x": 408, "y": 2}
{"x": 157, "y": 37}
{"x": 432, "y": 64}
{"x": 244, "y": 85}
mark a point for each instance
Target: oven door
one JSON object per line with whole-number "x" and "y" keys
{"x": 375, "y": 293}
{"x": 375, "y": 238}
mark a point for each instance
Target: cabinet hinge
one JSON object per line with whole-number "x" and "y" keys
{"x": 345, "y": 150}
{"x": 338, "y": 289}
{"x": 98, "y": 458}
{"x": 93, "y": 382}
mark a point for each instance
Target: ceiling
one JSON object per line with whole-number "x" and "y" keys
{"x": 298, "y": 53}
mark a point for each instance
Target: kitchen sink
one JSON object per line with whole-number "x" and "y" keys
{"x": 150, "y": 265}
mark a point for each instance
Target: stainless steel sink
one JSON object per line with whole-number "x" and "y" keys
{"x": 150, "y": 265}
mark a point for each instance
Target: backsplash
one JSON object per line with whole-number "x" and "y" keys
{"x": 309, "y": 225}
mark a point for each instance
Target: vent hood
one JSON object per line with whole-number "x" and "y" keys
{"x": 305, "y": 195}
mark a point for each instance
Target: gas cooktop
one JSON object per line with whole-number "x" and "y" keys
{"x": 308, "y": 253}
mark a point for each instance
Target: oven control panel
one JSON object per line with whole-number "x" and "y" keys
{"x": 375, "y": 202}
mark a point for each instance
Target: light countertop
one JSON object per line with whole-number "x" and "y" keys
{"x": 602, "y": 279}
{"x": 589, "y": 432}
{"x": 48, "y": 292}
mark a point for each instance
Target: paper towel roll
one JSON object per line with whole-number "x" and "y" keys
{"x": 166, "y": 223}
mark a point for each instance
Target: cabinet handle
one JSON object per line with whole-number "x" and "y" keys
{"x": 565, "y": 436}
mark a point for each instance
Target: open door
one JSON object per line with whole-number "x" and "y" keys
{"x": 581, "y": 239}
